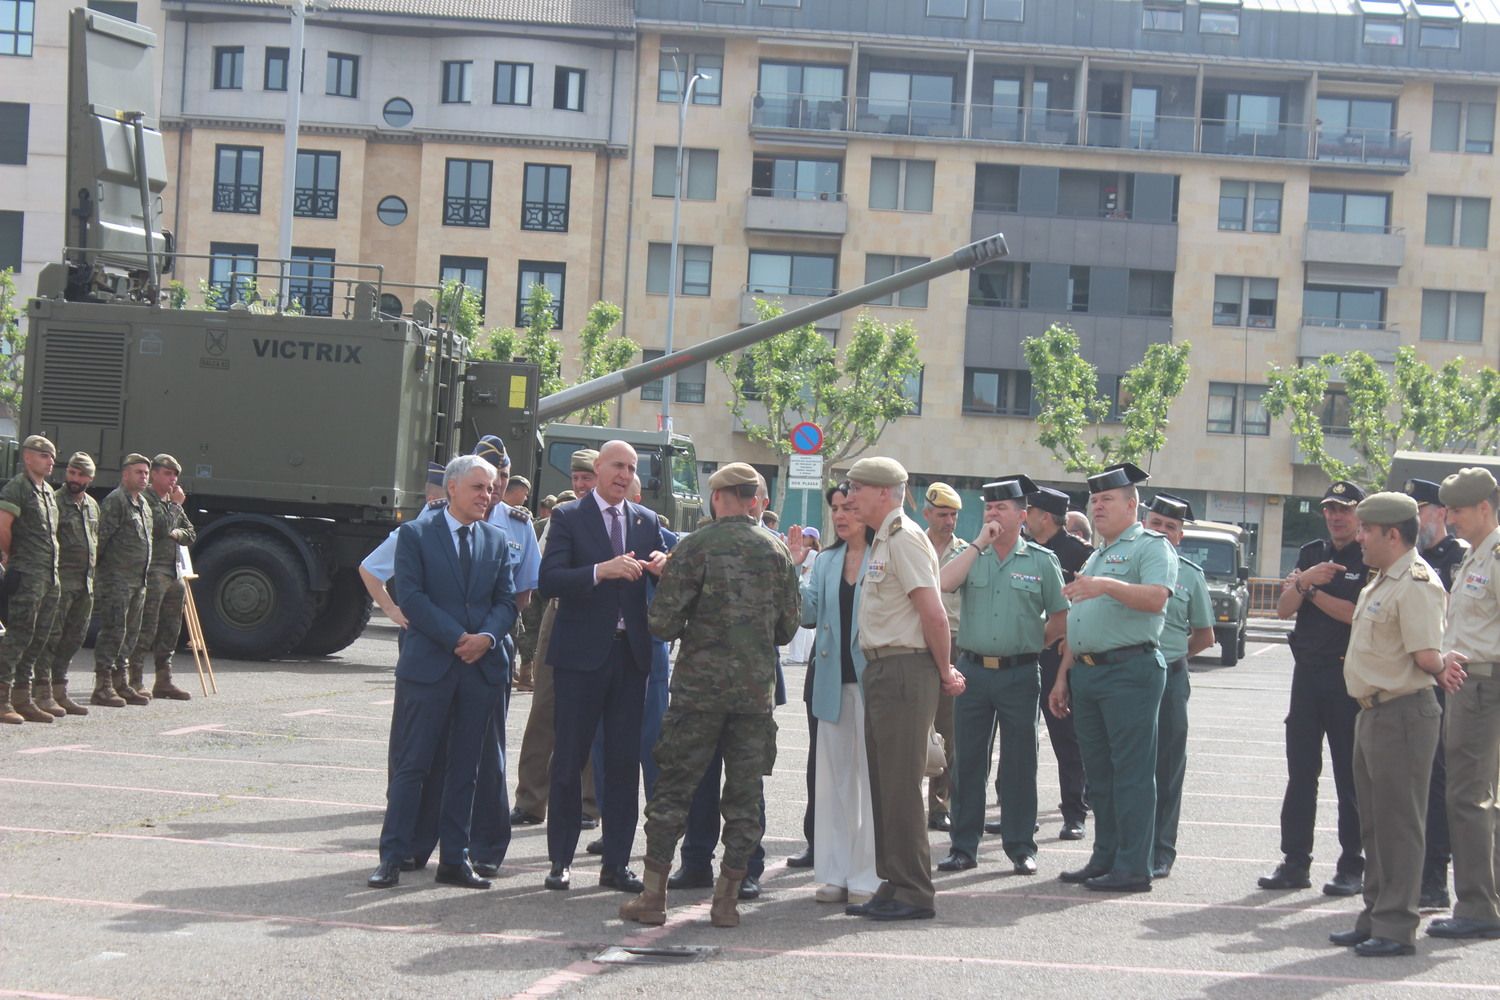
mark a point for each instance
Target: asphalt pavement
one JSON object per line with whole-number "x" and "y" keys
{"x": 218, "y": 848}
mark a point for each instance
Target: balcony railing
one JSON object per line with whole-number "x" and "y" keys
{"x": 909, "y": 118}
{"x": 315, "y": 203}
{"x": 1347, "y": 323}
{"x": 540, "y": 216}
{"x": 466, "y": 212}
{"x": 1363, "y": 145}
{"x": 241, "y": 198}
{"x": 815, "y": 112}
{"x": 1003, "y": 123}
{"x": 796, "y": 194}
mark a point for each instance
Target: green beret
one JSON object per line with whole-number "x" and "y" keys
{"x": 519, "y": 481}
{"x": 165, "y": 461}
{"x": 135, "y": 458}
{"x": 548, "y": 501}
{"x": 38, "y": 443}
{"x": 81, "y": 461}
{"x": 878, "y": 471}
{"x": 583, "y": 460}
{"x": 731, "y": 475}
{"x": 943, "y": 495}
{"x": 566, "y": 495}
{"x": 1466, "y": 487}
{"x": 1386, "y": 508}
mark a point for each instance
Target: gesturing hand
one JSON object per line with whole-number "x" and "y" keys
{"x": 1085, "y": 587}
{"x": 625, "y": 567}
{"x": 796, "y": 544}
{"x": 1323, "y": 572}
{"x": 988, "y": 535}
{"x": 656, "y": 563}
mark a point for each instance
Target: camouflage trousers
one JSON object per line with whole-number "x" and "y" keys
{"x": 120, "y": 603}
{"x": 33, "y": 602}
{"x": 69, "y": 626}
{"x": 687, "y": 744}
{"x": 161, "y": 621}
{"x": 528, "y": 629}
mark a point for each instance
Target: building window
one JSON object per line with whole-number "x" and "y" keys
{"x": 788, "y": 177}
{"x": 274, "y": 77}
{"x": 466, "y": 194}
{"x": 1004, "y": 10}
{"x": 317, "y": 191}
{"x": 911, "y": 391}
{"x": 391, "y": 210}
{"x": 1000, "y": 285}
{"x": 883, "y": 265}
{"x": 310, "y": 280}
{"x": 125, "y": 10}
{"x": 1384, "y": 22}
{"x": 696, "y": 264}
{"x": 1229, "y": 403}
{"x": 343, "y": 75}
{"x": 229, "y": 66}
{"x": 458, "y": 82}
{"x": 231, "y": 269}
{"x": 513, "y": 83}
{"x": 1245, "y": 302}
{"x": 948, "y": 8}
{"x": 670, "y": 75}
{"x": 472, "y": 272}
{"x": 1463, "y": 126}
{"x": 15, "y": 132}
{"x": 1457, "y": 316}
{"x": 1335, "y": 418}
{"x": 901, "y": 185}
{"x": 700, "y": 173}
{"x": 544, "y": 198}
{"x": 397, "y": 112}
{"x": 1078, "y": 289}
{"x": 1453, "y": 221}
{"x": 800, "y": 95}
{"x": 1439, "y": 24}
{"x": 12, "y": 225}
{"x": 1162, "y": 15}
{"x": 1346, "y": 307}
{"x": 237, "y": 179}
{"x": 1250, "y": 205}
{"x": 1219, "y": 18}
{"x": 999, "y": 391}
{"x": 552, "y": 276}
{"x": 17, "y": 25}
{"x": 1149, "y": 293}
{"x": 1349, "y": 211}
{"x": 781, "y": 3}
{"x": 776, "y": 273}
{"x": 567, "y": 89}
{"x": 688, "y": 386}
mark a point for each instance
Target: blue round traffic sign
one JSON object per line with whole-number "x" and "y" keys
{"x": 807, "y": 438}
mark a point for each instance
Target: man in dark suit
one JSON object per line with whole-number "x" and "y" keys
{"x": 453, "y": 578}
{"x": 599, "y": 550}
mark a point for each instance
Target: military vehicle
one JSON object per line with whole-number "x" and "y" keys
{"x": 304, "y": 440}
{"x": 1219, "y": 550}
{"x": 668, "y": 467}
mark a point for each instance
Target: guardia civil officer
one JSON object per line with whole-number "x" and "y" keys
{"x": 28, "y": 544}
{"x": 77, "y": 548}
{"x": 941, "y": 514}
{"x": 1116, "y": 672}
{"x": 1012, "y": 606}
{"x": 1188, "y": 629}
{"x": 1393, "y": 662}
{"x": 161, "y": 612}
{"x": 1320, "y": 592}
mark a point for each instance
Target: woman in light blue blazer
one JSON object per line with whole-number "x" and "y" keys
{"x": 843, "y": 823}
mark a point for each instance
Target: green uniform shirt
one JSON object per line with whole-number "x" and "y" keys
{"x": 33, "y": 534}
{"x": 1005, "y": 601}
{"x": 170, "y": 527}
{"x": 124, "y": 538}
{"x": 77, "y": 540}
{"x": 1188, "y": 608}
{"x": 1100, "y": 624}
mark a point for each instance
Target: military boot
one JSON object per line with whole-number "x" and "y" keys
{"x": 42, "y": 692}
{"x": 137, "y": 682}
{"x": 124, "y": 690}
{"x": 163, "y": 687}
{"x": 8, "y": 715}
{"x": 650, "y": 907}
{"x": 104, "y": 691}
{"x": 725, "y": 912}
{"x": 68, "y": 705}
{"x": 20, "y": 699}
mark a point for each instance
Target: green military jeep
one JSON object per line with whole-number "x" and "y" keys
{"x": 1220, "y": 550}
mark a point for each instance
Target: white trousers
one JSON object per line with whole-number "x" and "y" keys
{"x": 843, "y": 819}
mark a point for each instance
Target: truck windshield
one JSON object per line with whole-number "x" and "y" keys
{"x": 684, "y": 469}
{"x": 1214, "y": 557}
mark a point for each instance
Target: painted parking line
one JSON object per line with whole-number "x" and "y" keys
{"x": 87, "y": 749}
{"x": 329, "y": 713}
{"x": 221, "y": 728}
{"x": 231, "y": 796}
{"x": 34, "y": 995}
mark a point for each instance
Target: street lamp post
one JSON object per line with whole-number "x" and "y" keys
{"x": 299, "y": 9}
{"x": 672, "y": 276}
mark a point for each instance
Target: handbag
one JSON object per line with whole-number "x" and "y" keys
{"x": 937, "y": 755}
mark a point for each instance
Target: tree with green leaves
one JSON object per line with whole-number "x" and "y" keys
{"x": 12, "y": 344}
{"x": 798, "y": 375}
{"x": 1072, "y": 413}
{"x": 601, "y": 354}
{"x": 1406, "y": 405}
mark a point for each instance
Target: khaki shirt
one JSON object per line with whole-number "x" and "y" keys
{"x": 952, "y": 603}
{"x": 1398, "y": 613}
{"x": 1473, "y": 625}
{"x": 900, "y": 560}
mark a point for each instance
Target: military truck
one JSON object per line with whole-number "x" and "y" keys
{"x": 668, "y": 467}
{"x": 1219, "y": 550}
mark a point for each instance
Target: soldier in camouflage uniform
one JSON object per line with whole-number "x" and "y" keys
{"x": 729, "y": 591}
{"x": 125, "y": 527}
{"x": 161, "y": 614}
{"x": 77, "y": 548}
{"x": 28, "y": 543}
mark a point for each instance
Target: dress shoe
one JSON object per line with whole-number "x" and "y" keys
{"x": 939, "y": 821}
{"x": 1071, "y": 831}
{"x": 595, "y": 846}
{"x": 1348, "y": 939}
{"x": 957, "y": 861}
{"x": 1024, "y": 865}
{"x": 560, "y": 878}
{"x": 1161, "y": 871}
{"x": 620, "y": 878}
{"x": 1383, "y": 948}
{"x": 995, "y": 827}
{"x": 1081, "y": 875}
{"x": 484, "y": 870}
{"x": 749, "y": 887}
{"x": 1434, "y": 897}
{"x": 588, "y": 823}
{"x": 1344, "y": 884}
{"x": 802, "y": 859}
{"x": 1463, "y": 927}
{"x": 1285, "y": 877}
{"x": 858, "y": 909}
{"x": 520, "y": 817}
{"x": 461, "y": 875}
{"x": 692, "y": 878}
{"x": 831, "y": 894}
{"x": 894, "y": 909}
{"x": 1119, "y": 882}
{"x": 385, "y": 877}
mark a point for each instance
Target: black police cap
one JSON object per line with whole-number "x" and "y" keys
{"x": 1009, "y": 488}
{"x": 1168, "y": 505}
{"x": 1050, "y": 500}
{"x": 1422, "y": 491}
{"x": 1342, "y": 492}
{"x": 1117, "y": 476}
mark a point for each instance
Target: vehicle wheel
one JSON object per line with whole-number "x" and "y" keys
{"x": 341, "y": 617}
{"x": 1243, "y": 634}
{"x": 1229, "y": 652}
{"x": 252, "y": 596}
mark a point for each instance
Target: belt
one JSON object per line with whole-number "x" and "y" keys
{"x": 1001, "y": 662}
{"x": 1384, "y": 697}
{"x": 1479, "y": 669}
{"x": 1115, "y": 655}
{"x": 886, "y": 652}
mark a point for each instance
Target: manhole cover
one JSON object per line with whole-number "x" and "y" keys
{"x": 677, "y": 955}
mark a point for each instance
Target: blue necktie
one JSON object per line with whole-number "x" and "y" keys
{"x": 465, "y": 560}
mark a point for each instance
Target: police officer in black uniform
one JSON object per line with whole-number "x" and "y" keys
{"x": 1443, "y": 553}
{"x": 1320, "y": 592}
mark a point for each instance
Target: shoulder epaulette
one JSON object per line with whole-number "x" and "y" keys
{"x": 519, "y": 514}
{"x": 1419, "y": 571}
{"x": 1189, "y": 562}
{"x": 439, "y": 504}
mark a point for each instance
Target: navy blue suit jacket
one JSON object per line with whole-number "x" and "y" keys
{"x": 586, "y": 614}
{"x": 439, "y": 608}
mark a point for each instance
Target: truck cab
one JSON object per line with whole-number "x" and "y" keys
{"x": 1219, "y": 550}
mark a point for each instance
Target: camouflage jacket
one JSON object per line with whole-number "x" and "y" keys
{"x": 170, "y": 527}
{"x": 730, "y": 592}
{"x": 124, "y": 539}
{"x": 77, "y": 540}
{"x": 33, "y": 533}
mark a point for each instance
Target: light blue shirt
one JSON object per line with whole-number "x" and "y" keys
{"x": 381, "y": 563}
{"x": 525, "y": 557}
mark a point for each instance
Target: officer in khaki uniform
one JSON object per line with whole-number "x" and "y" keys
{"x": 77, "y": 548}
{"x": 903, "y": 631}
{"x": 1116, "y": 674}
{"x": 1471, "y": 737}
{"x": 28, "y": 544}
{"x": 1013, "y": 607}
{"x": 1390, "y": 669}
{"x": 161, "y": 613}
{"x": 125, "y": 530}
{"x": 941, "y": 514}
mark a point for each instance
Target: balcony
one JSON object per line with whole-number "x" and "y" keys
{"x": 1338, "y": 443}
{"x": 921, "y": 118}
{"x": 1354, "y": 245}
{"x": 801, "y": 112}
{"x": 1333, "y": 335}
{"x": 805, "y": 213}
{"x": 993, "y": 335}
{"x": 789, "y": 299}
{"x": 241, "y": 198}
{"x": 1363, "y": 147}
{"x": 1002, "y": 123}
{"x": 1086, "y": 240}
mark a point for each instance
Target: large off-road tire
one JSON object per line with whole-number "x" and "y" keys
{"x": 342, "y": 616}
{"x": 1229, "y": 651}
{"x": 252, "y": 595}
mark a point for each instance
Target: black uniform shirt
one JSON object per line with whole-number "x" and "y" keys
{"x": 1317, "y": 639}
{"x": 1070, "y": 552}
{"x": 1445, "y": 557}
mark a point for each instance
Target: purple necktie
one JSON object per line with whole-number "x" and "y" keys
{"x": 616, "y": 531}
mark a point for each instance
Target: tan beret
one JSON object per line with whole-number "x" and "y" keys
{"x": 943, "y": 495}
{"x": 81, "y": 461}
{"x": 584, "y": 459}
{"x": 878, "y": 471}
{"x": 135, "y": 458}
{"x": 1466, "y": 487}
{"x": 165, "y": 461}
{"x": 1386, "y": 508}
{"x": 731, "y": 475}
{"x": 38, "y": 443}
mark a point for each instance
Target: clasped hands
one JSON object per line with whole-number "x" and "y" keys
{"x": 628, "y": 567}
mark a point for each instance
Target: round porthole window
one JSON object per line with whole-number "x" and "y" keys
{"x": 398, "y": 113}
{"x": 390, "y": 305}
{"x": 391, "y": 210}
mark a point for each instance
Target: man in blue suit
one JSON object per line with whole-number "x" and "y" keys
{"x": 453, "y": 578}
{"x": 599, "y": 550}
